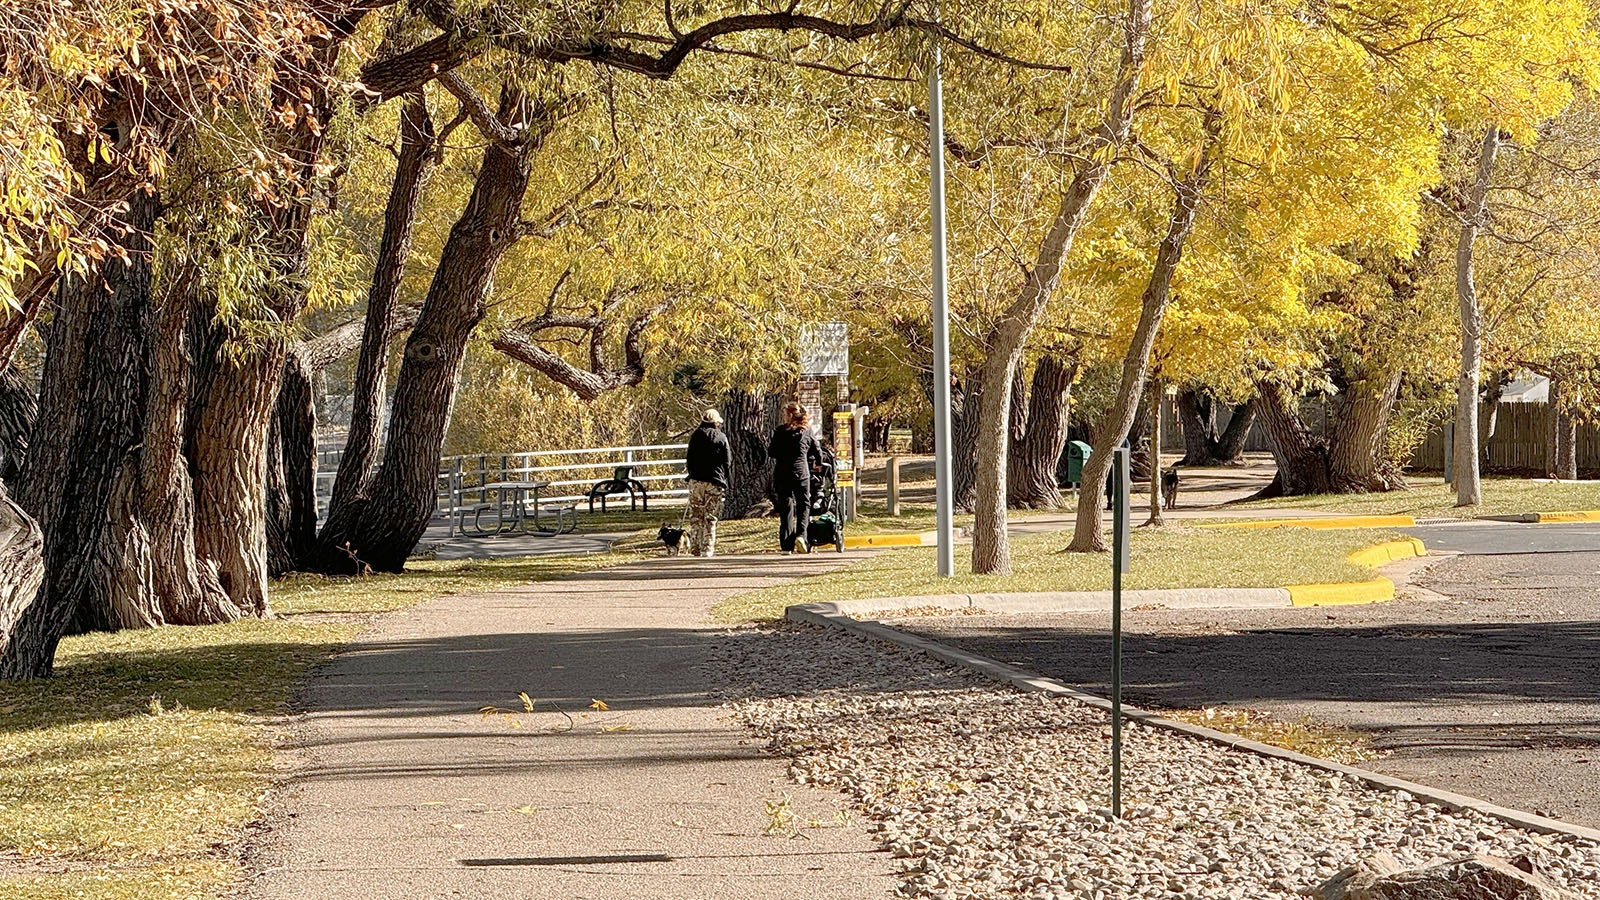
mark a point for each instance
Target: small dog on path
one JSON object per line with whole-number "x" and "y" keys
{"x": 671, "y": 537}
{"x": 1169, "y": 488}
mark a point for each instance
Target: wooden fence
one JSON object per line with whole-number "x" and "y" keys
{"x": 1520, "y": 443}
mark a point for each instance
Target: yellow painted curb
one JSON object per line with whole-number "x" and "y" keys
{"x": 1376, "y": 590}
{"x": 1571, "y": 515}
{"x": 1387, "y": 552}
{"x": 1324, "y": 524}
{"x": 884, "y": 540}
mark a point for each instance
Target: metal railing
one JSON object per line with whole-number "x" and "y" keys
{"x": 569, "y": 473}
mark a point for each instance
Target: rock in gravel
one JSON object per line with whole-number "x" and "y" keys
{"x": 1478, "y": 877}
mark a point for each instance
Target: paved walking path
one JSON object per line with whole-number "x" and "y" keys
{"x": 409, "y": 791}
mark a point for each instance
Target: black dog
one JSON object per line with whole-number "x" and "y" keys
{"x": 1169, "y": 488}
{"x": 671, "y": 537}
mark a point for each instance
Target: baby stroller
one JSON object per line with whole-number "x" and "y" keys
{"x": 825, "y": 527}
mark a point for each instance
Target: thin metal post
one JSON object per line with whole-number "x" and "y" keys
{"x": 944, "y": 502}
{"x": 1121, "y": 475}
{"x": 1449, "y": 452}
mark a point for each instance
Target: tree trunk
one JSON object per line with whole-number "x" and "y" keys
{"x": 1155, "y": 454}
{"x": 966, "y": 416}
{"x": 404, "y": 491}
{"x": 237, "y": 397}
{"x": 991, "y": 548}
{"x": 354, "y": 475}
{"x": 292, "y": 474}
{"x": 747, "y": 419}
{"x": 1361, "y": 412}
{"x": 18, "y": 410}
{"x": 1202, "y": 444}
{"x": 1567, "y": 446}
{"x": 188, "y": 590}
{"x": 1302, "y": 459}
{"x": 228, "y": 456}
{"x": 1469, "y": 492}
{"x": 1089, "y": 530}
{"x": 1197, "y": 420}
{"x": 1031, "y": 481}
{"x": 87, "y": 436}
{"x": 1229, "y": 449}
{"x": 21, "y": 573}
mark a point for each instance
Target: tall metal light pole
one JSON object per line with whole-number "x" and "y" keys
{"x": 942, "y": 439}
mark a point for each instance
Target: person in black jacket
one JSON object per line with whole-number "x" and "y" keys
{"x": 710, "y": 465}
{"x": 794, "y": 452}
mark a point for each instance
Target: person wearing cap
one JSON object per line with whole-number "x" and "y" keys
{"x": 710, "y": 465}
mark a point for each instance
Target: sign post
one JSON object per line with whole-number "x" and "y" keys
{"x": 844, "y": 460}
{"x": 944, "y": 496}
{"x": 824, "y": 353}
{"x": 1120, "y": 527}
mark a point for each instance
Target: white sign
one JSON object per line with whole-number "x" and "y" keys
{"x": 825, "y": 349}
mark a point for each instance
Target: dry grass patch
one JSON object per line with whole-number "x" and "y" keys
{"x": 1302, "y": 735}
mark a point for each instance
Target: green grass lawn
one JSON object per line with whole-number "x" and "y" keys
{"x": 133, "y": 774}
{"x": 1171, "y": 557}
{"x": 1429, "y": 496}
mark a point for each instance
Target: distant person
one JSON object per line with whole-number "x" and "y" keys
{"x": 710, "y": 465}
{"x": 794, "y": 452}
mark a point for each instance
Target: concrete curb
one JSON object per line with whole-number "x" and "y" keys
{"x": 816, "y": 614}
{"x": 1375, "y": 590}
{"x": 1570, "y": 515}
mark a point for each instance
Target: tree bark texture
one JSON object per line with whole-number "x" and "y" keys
{"x": 748, "y": 419}
{"x": 18, "y": 410}
{"x": 417, "y": 153}
{"x": 1089, "y": 529}
{"x": 404, "y": 490}
{"x": 966, "y": 418}
{"x": 1229, "y": 448}
{"x": 292, "y": 474}
{"x": 1561, "y": 447}
{"x": 1358, "y": 431}
{"x": 1469, "y": 490}
{"x": 82, "y": 458}
{"x": 991, "y": 549}
{"x": 188, "y": 589}
{"x": 1203, "y": 445}
{"x": 1301, "y": 457}
{"x": 1031, "y": 481}
{"x": 21, "y": 573}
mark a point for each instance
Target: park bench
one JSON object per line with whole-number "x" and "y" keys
{"x": 620, "y": 482}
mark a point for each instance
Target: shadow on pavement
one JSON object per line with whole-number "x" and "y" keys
{"x": 1534, "y": 684}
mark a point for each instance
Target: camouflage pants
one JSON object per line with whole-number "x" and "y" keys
{"x": 705, "y": 507}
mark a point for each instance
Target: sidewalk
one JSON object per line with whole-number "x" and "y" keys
{"x": 408, "y": 791}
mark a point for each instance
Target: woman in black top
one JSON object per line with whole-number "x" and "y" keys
{"x": 793, "y": 451}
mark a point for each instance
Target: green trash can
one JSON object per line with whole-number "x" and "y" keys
{"x": 1077, "y": 454}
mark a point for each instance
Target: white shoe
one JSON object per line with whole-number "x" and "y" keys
{"x": 800, "y": 546}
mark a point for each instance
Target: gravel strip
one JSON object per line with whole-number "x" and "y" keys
{"x": 986, "y": 791}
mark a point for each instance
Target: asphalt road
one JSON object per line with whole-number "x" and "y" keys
{"x": 1491, "y": 690}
